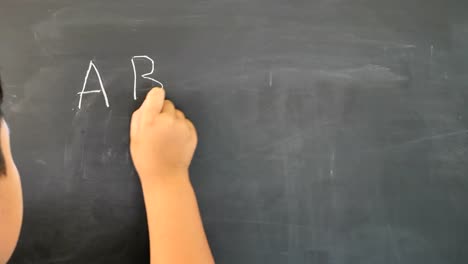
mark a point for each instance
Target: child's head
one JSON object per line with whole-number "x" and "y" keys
{"x": 11, "y": 201}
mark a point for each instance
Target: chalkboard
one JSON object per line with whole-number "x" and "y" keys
{"x": 331, "y": 131}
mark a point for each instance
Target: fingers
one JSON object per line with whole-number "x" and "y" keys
{"x": 168, "y": 108}
{"x": 193, "y": 131}
{"x": 179, "y": 114}
{"x": 191, "y": 127}
{"x": 152, "y": 105}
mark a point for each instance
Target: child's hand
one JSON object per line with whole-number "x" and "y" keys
{"x": 162, "y": 140}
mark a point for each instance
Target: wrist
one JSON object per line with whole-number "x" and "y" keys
{"x": 164, "y": 178}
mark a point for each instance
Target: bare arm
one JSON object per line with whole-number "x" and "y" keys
{"x": 11, "y": 199}
{"x": 162, "y": 145}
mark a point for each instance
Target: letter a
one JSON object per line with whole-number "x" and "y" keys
{"x": 144, "y": 76}
{"x": 91, "y": 65}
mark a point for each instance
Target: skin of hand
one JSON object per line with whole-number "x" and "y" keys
{"x": 162, "y": 144}
{"x": 11, "y": 200}
{"x": 162, "y": 139}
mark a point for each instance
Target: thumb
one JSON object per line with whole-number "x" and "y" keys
{"x": 153, "y": 104}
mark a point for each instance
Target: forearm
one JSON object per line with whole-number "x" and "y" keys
{"x": 11, "y": 214}
{"x": 174, "y": 223}
{"x": 11, "y": 209}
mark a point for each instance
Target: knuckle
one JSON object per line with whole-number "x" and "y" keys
{"x": 190, "y": 124}
{"x": 168, "y": 103}
{"x": 166, "y": 117}
{"x": 180, "y": 113}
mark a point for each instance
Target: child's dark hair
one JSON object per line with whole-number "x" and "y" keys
{"x": 2, "y": 159}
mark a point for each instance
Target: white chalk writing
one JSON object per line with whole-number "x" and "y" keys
{"x": 93, "y": 66}
{"x": 144, "y": 76}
